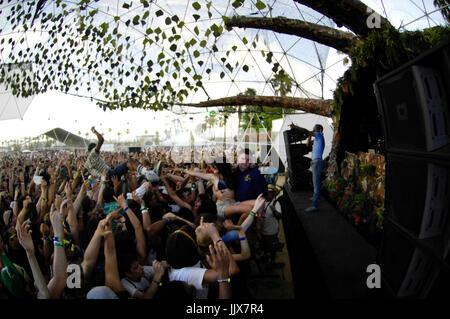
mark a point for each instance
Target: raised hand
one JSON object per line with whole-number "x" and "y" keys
{"x": 45, "y": 230}
{"x": 137, "y": 198}
{"x": 58, "y": 201}
{"x": 24, "y": 236}
{"x": 85, "y": 187}
{"x": 219, "y": 260}
{"x": 159, "y": 267}
{"x": 56, "y": 219}
{"x": 207, "y": 228}
{"x": 259, "y": 203}
{"x": 121, "y": 201}
{"x": 115, "y": 180}
{"x": 105, "y": 228}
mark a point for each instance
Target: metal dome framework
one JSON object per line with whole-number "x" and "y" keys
{"x": 136, "y": 53}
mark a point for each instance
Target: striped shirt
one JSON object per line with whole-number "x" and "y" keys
{"x": 95, "y": 164}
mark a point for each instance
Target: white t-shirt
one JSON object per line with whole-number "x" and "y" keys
{"x": 142, "y": 285}
{"x": 193, "y": 276}
{"x": 269, "y": 224}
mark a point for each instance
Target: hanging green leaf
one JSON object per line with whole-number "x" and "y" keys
{"x": 196, "y": 6}
{"x": 260, "y": 5}
{"x": 237, "y": 3}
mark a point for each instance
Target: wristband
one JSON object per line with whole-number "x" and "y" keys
{"x": 253, "y": 214}
{"x": 56, "y": 238}
{"x": 126, "y": 208}
{"x": 157, "y": 282}
{"x": 217, "y": 241}
{"x": 242, "y": 238}
{"x": 58, "y": 244}
{"x": 45, "y": 239}
{"x": 144, "y": 208}
{"x": 144, "y": 211}
{"x": 226, "y": 280}
{"x": 167, "y": 220}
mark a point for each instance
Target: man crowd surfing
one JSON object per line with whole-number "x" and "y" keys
{"x": 95, "y": 225}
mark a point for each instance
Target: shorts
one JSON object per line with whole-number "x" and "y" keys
{"x": 221, "y": 205}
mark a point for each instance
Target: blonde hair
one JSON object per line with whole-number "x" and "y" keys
{"x": 202, "y": 239}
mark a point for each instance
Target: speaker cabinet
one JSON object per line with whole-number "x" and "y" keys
{"x": 418, "y": 195}
{"x": 410, "y": 272}
{"x": 135, "y": 149}
{"x": 299, "y": 175}
{"x": 413, "y": 102}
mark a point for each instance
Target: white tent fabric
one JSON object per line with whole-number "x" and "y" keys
{"x": 12, "y": 107}
{"x": 306, "y": 121}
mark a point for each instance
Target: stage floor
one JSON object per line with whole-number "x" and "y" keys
{"x": 328, "y": 257}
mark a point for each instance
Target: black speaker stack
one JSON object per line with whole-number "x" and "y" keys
{"x": 300, "y": 177}
{"x": 413, "y": 102}
{"x": 135, "y": 149}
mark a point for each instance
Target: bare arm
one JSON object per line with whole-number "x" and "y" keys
{"x": 24, "y": 236}
{"x": 208, "y": 177}
{"x": 140, "y": 237}
{"x": 159, "y": 268}
{"x": 58, "y": 282}
{"x": 112, "y": 279}
{"x": 200, "y": 187}
{"x": 100, "y": 139}
{"x": 245, "y": 248}
{"x": 308, "y": 141}
{"x": 175, "y": 178}
{"x": 91, "y": 253}
{"x": 175, "y": 197}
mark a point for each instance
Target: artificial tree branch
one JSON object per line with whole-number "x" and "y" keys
{"x": 315, "y": 106}
{"x": 353, "y": 14}
{"x": 340, "y": 40}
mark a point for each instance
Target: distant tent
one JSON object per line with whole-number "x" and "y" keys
{"x": 67, "y": 138}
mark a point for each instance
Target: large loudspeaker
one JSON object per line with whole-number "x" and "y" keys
{"x": 137, "y": 149}
{"x": 418, "y": 196}
{"x": 413, "y": 102}
{"x": 407, "y": 269}
{"x": 299, "y": 175}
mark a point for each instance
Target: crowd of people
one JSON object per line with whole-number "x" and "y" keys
{"x": 118, "y": 225}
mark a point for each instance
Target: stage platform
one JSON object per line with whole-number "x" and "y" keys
{"x": 328, "y": 257}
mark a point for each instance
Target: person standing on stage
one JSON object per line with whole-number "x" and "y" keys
{"x": 317, "y": 162}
